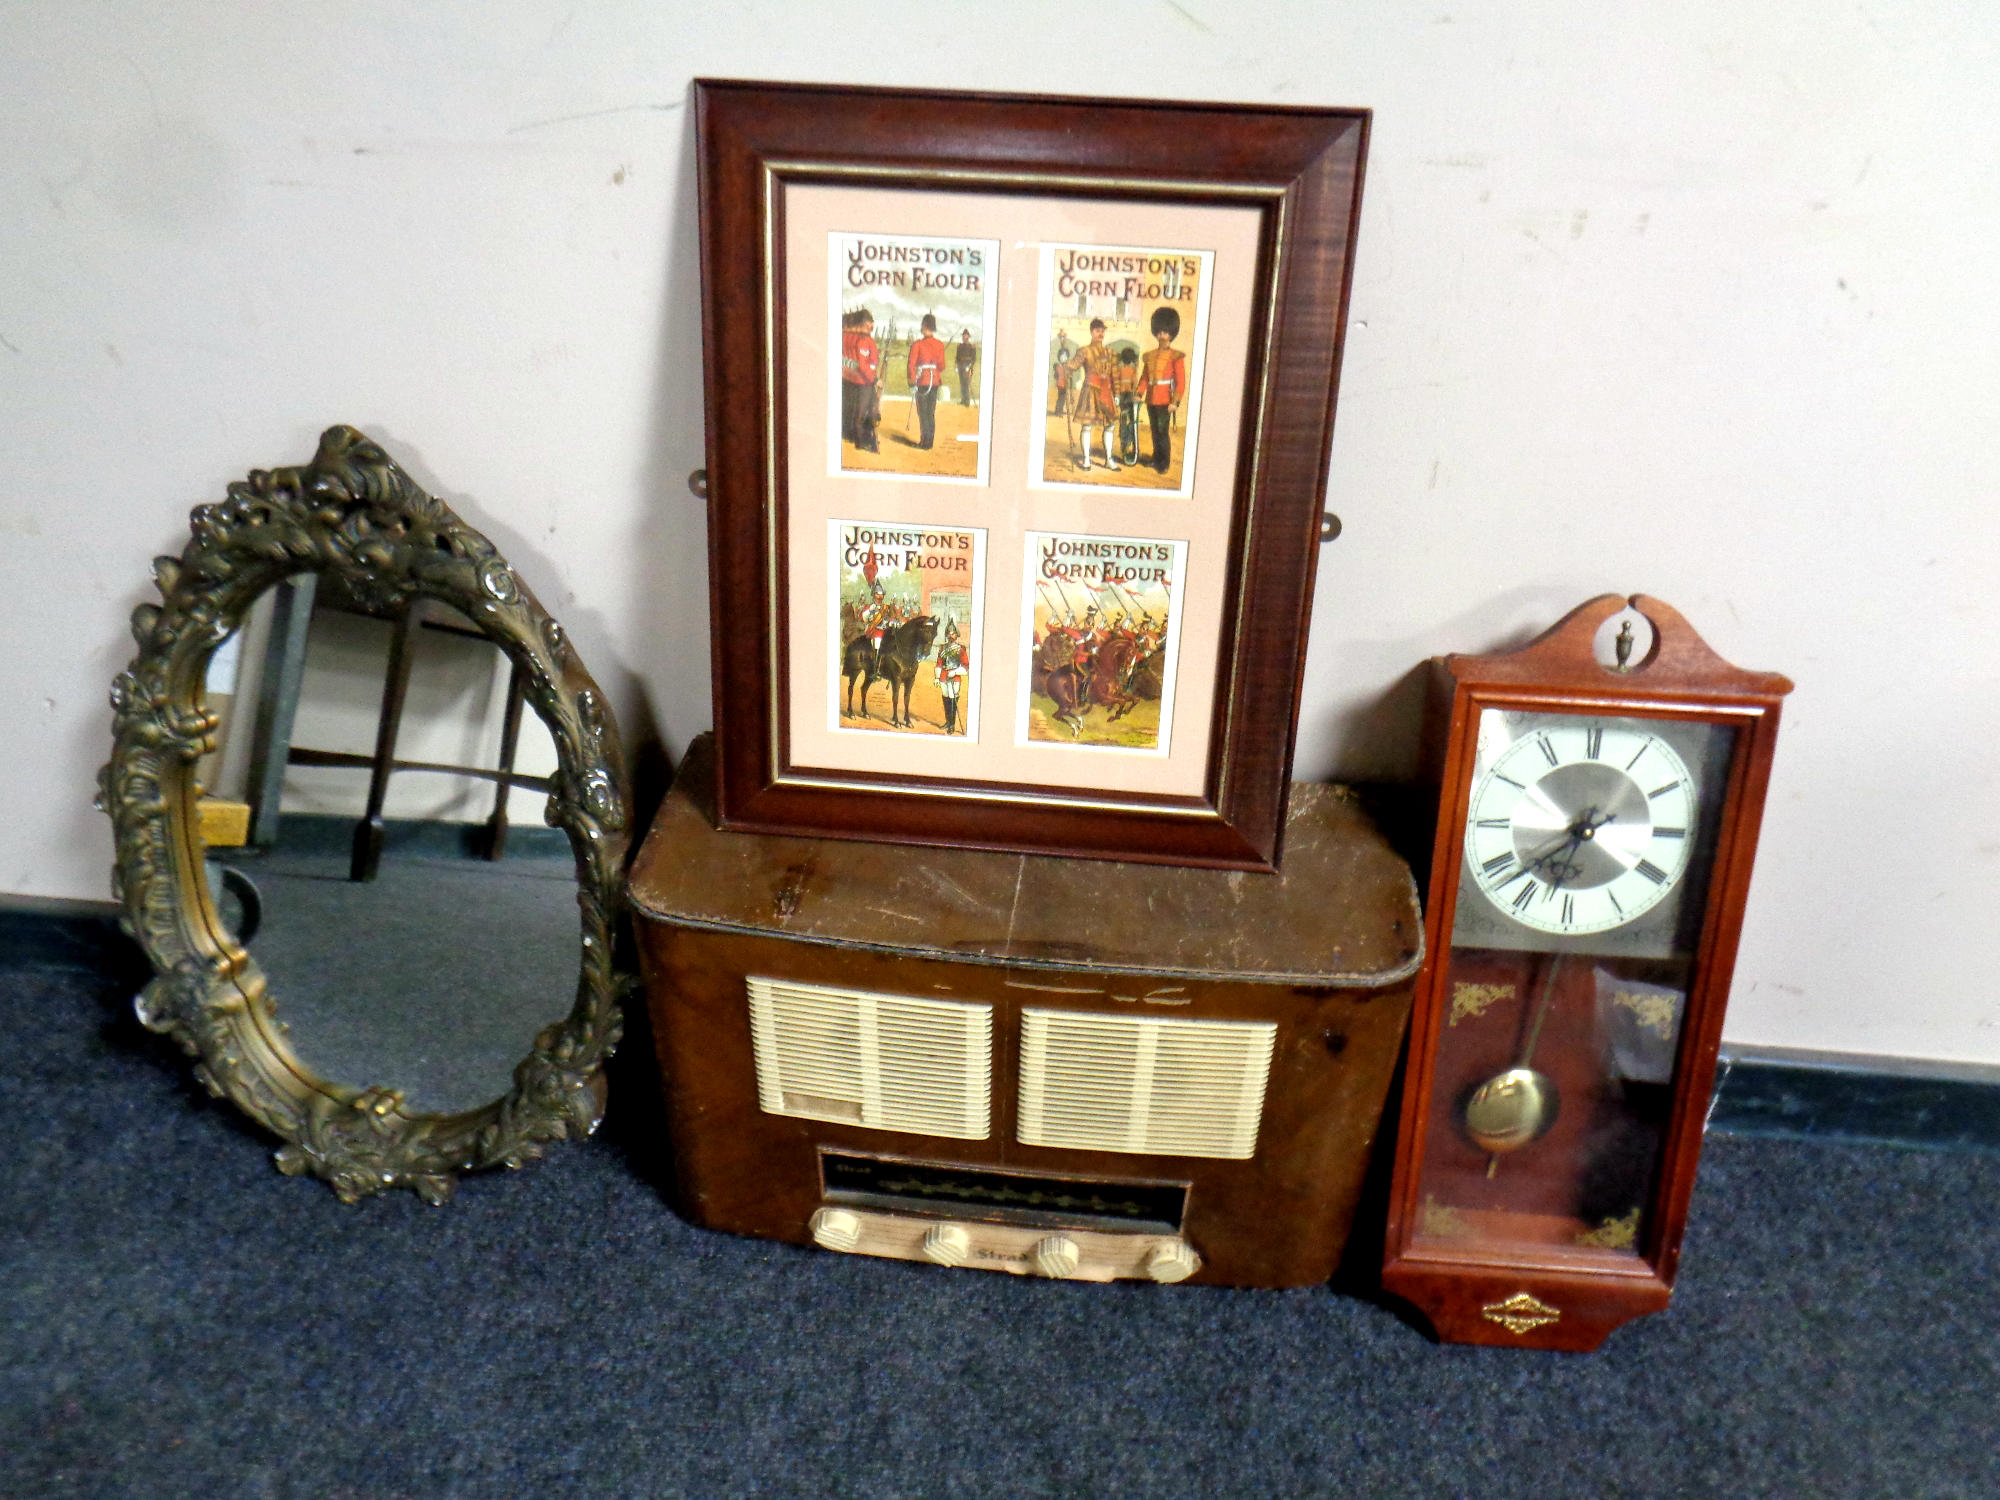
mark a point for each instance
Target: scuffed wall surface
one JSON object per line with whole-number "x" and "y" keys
{"x": 1696, "y": 301}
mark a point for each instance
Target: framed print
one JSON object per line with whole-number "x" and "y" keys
{"x": 1018, "y": 418}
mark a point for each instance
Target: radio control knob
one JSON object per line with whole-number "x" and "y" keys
{"x": 1057, "y": 1256}
{"x": 836, "y": 1229}
{"x": 1172, "y": 1260}
{"x": 948, "y": 1245}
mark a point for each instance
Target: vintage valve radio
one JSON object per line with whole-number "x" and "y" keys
{"x": 1021, "y": 1063}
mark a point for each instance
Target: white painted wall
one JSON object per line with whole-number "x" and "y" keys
{"x": 1695, "y": 299}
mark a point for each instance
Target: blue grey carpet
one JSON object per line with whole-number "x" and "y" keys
{"x": 182, "y": 1320}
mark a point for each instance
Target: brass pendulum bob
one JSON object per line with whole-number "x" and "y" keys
{"x": 1511, "y": 1109}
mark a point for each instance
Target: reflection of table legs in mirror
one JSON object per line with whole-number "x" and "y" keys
{"x": 368, "y": 833}
{"x": 395, "y": 686}
{"x": 495, "y": 842}
{"x": 278, "y": 704}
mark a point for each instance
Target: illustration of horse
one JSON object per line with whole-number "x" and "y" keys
{"x": 1110, "y": 666}
{"x": 1057, "y": 678}
{"x": 1148, "y": 673}
{"x": 904, "y": 648}
{"x": 1100, "y": 682}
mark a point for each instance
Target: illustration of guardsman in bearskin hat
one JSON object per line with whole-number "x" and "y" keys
{"x": 860, "y": 380}
{"x": 1164, "y": 374}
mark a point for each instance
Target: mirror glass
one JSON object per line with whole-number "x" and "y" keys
{"x": 417, "y": 929}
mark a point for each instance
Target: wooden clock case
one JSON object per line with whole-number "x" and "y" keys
{"x": 1569, "y": 1296}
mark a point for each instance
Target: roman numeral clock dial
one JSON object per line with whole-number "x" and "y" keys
{"x": 1580, "y": 826}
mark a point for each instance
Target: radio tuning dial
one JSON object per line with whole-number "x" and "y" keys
{"x": 1173, "y": 1260}
{"x": 1057, "y": 1256}
{"x": 948, "y": 1245}
{"x": 836, "y": 1228}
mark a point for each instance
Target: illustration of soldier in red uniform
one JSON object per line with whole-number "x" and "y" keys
{"x": 926, "y": 376}
{"x": 860, "y": 380}
{"x": 1088, "y": 638}
{"x": 875, "y": 614}
{"x": 1164, "y": 373}
{"x": 952, "y": 663}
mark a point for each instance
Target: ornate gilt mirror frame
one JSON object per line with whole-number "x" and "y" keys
{"x": 354, "y": 513}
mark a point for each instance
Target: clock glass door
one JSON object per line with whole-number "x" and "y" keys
{"x": 1578, "y": 910}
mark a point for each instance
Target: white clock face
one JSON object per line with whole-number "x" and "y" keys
{"x": 1579, "y": 825}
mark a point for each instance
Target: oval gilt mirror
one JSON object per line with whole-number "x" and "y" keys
{"x": 397, "y": 1011}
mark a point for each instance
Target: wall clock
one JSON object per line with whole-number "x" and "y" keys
{"x": 1597, "y": 823}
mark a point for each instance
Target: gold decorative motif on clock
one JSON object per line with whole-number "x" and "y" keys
{"x": 1471, "y": 1001}
{"x": 1620, "y": 1233}
{"x": 1521, "y": 1313}
{"x": 1655, "y": 1013}
{"x": 1442, "y": 1221}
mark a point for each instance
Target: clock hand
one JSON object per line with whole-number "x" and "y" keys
{"x": 1556, "y": 866}
{"x": 1554, "y": 856}
{"x": 1528, "y": 865}
{"x": 1582, "y": 830}
{"x": 1532, "y": 865}
{"x": 1560, "y": 842}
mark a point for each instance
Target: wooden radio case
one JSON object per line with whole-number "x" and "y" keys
{"x": 1025, "y": 1063}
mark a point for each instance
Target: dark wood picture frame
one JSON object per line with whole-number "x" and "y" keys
{"x": 1471, "y": 1294}
{"x": 1299, "y": 169}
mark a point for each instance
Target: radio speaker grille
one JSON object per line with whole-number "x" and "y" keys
{"x": 1143, "y": 1084}
{"x": 890, "y": 1062}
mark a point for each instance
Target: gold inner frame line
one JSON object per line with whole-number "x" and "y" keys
{"x": 776, "y": 175}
